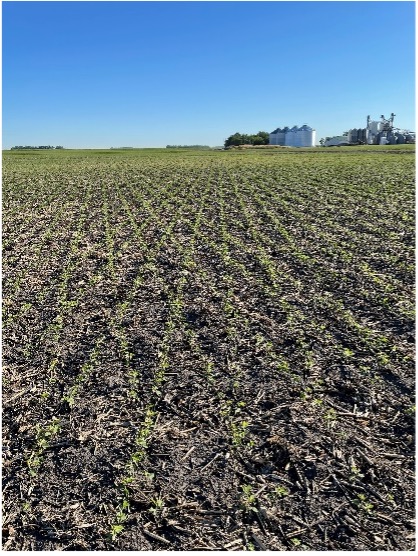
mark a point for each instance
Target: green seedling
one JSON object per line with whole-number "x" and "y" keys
{"x": 362, "y": 503}
{"x": 330, "y": 415}
{"x": 226, "y": 408}
{"x": 121, "y": 516}
{"x": 209, "y": 372}
{"x": 248, "y": 498}
{"x": 34, "y": 462}
{"x": 137, "y": 457}
{"x": 69, "y": 398}
{"x": 116, "y": 530}
{"x": 124, "y": 485}
{"x": 239, "y": 432}
{"x": 355, "y": 474}
{"x": 157, "y": 505}
{"x": 383, "y": 359}
{"x": 306, "y": 393}
{"x": 44, "y": 435}
{"x": 281, "y": 491}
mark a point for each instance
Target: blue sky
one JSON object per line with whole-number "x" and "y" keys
{"x": 148, "y": 74}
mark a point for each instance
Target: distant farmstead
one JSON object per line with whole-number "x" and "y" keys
{"x": 303, "y": 136}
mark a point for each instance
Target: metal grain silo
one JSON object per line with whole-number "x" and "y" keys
{"x": 279, "y": 137}
{"x": 362, "y": 135}
{"x": 305, "y": 136}
{"x": 273, "y": 137}
{"x": 353, "y": 135}
{"x": 291, "y": 138}
{"x": 374, "y": 127}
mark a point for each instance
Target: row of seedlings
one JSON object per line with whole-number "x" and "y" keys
{"x": 378, "y": 342}
{"x": 327, "y": 239}
{"x": 89, "y": 371}
{"x": 47, "y": 434}
{"x": 234, "y": 412}
{"x": 318, "y": 387}
{"x": 52, "y": 233}
{"x": 136, "y": 468}
{"x": 71, "y": 392}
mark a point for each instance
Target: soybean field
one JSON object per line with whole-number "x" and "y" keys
{"x": 209, "y": 350}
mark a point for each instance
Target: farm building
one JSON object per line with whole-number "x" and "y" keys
{"x": 303, "y": 136}
{"x": 384, "y": 132}
{"x": 336, "y": 141}
{"x": 376, "y": 132}
{"x": 357, "y": 135}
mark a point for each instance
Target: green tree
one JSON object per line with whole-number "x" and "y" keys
{"x": 234, "y": 140}
{"x": 261, "y": 138}
{"x": 265, "y": 136}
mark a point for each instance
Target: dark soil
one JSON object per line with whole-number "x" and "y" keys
{"x": 209, "y": 353}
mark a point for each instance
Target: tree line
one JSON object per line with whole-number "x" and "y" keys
{"x": 28, "y": 147}
{"x": 204, "y": 147}
{"x": 260, "y": 138}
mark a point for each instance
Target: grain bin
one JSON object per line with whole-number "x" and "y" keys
{"x": 305, "y": 136}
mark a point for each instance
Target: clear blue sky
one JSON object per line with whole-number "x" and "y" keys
{"x": 101, "y": 74}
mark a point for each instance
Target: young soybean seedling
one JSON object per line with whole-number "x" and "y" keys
{"x": 115, "y": 531}
{"x": 281, "y": 491}
{"x": 157, "y": 505}
{"x": 248, "y": 498}
{"x": 149, "y": 476}
{"x": 363, "y": 504}
{"x": 239, "y": 432}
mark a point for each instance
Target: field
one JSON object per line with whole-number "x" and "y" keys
{"x": 209, "y": 350}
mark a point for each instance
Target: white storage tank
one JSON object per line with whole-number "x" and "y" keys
{"x": 291, "y": 137}
{"x": 353, "y": 136}
{"x": 273, "y": 137}
{"x": 277, "y": 137}
{"x": 305, "y": 136}
{"x": 375, "y": 127}
{"x": 281, "y": 135}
